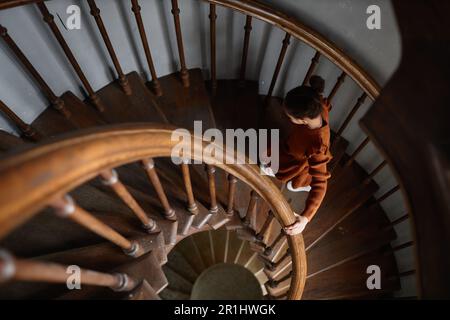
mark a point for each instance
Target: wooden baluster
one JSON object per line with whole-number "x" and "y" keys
{"x": 210, "y": 170}
{"x": 49, "y": 19}
{"x": 231, "y": 194}
{"x": 12, "y": 268}
{"x": 251, "y": 210}
{"x": 110, "y": 178}
{"x": 375, "y": 172}
{"x": 137, "y": 13}
{"x": 357, "y": 151}
{"x": 336, "y": 87}
{"x": 349, "y": 118}
{"x": 212, "y": 35}
{"x": 66, "y": 208}
{"x": 268, "y": 251}
{"x": 123, "y": 81}
{"x": 55, "y": 101}
{"x": 149, "y": 166}
{"x": 26, "y": 130}
{"x": 286, "y": 42}
{"x": 312, "y": 67}
{"x": 248, "y": 30}
{"x": 176, "y": 18}
{"x": 192, "y": 206}
{"x": 262, "y": 233}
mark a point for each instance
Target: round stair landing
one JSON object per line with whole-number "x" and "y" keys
{"x": 226, "y": 281}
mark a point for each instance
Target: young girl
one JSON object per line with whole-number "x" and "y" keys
{"x": 305, "y": 153}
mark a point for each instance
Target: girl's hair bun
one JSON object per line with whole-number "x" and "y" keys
{"x": 317, "y": 83}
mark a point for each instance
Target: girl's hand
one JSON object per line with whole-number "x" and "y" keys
{"x": 297, "y": 227}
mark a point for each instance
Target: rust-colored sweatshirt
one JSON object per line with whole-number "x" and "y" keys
{"x": 303, "y": 159}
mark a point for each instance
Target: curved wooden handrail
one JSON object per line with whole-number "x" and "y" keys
{"x": 309, "y": 36}
{"x": 53, "y": 169}
{"x": 293, "y": 27}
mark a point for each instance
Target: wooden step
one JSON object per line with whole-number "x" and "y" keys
{"x": 9, "y": 141}
{"x": 245, "y": 255}
{"x": 82, "y": 115}
{"x": 338, "y": 148}
{"x": 233, "y": 247}
{"x": 236, "y": 104}
{"x": 177, "y": 281}
{"x": 171, "y": 294}
{"x": 161, "y": 254}
{"x": 182, "y": 106}
{"x": 51, "y": 123}
{"x": 191, "y": 252}
{"x": 344, "y": 196}
{"x": 143, "y": 292}
{"x": 359, "y": 233}
{"x": 140, "y": 106}
{"x": 280, "y": 289}
{"x": 202, "y": 240}
{"x": 180, "y": 265}
{"x": 348, "y": 280}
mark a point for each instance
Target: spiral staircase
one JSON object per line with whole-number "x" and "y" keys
{"x": 148, "y": 228}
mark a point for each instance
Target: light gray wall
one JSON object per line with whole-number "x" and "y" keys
{"x": 342, "y": 21}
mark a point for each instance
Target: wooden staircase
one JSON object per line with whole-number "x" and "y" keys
{"x": 183, "y": 232}
{"x": 348, "y": 232}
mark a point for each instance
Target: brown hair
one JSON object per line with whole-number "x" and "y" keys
{"x": 305, "y": 101}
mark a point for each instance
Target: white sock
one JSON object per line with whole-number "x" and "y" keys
{"x": 300, "y": 189}
{"x": 266, "y": 171}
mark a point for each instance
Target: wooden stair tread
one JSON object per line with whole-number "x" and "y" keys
{"x": 235, "y": 106}
{"x": 176, "y": 280}
{"x": 233, "y": 247}
{"x": 191, "y": 253}
{"x": 359, "y": 233}
{"x": 349, "y": 279}
{"x": 140, "y": 106}
{"x": 9, "y": 141}
{"x": 202, "y": 241}
{"x": 218, "y": 239}
{"x": 337, "y": 150}
{"x": 143, "y": 292}
{"x": 182, "y": 106}
{"x": 179, "y": 264}
{"x": 171, "y": 294}
{"x": 52, "y": 123}
{"x": 82, "y": 115}
{"x": 343, "y": 197}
